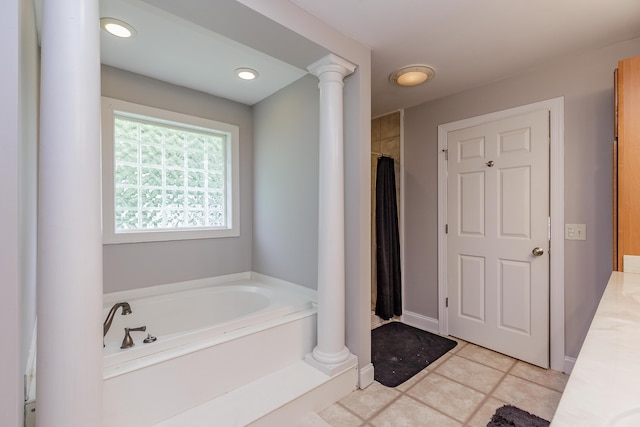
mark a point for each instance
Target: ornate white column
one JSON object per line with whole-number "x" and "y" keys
{"x": 69, "y": 307}
{"x": 331, "y": 355}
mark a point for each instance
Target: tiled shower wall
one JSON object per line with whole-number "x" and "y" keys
{"x": 385, "y": 140}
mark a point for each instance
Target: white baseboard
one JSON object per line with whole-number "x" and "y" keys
{"x": 366, "y": 376}
{"x": 569, "y": 363}
{"x": 30, "y": 374}
{"x": 430, "y": 324}
{"x": 419, "y": 321}
{"x": 30, "y": 382}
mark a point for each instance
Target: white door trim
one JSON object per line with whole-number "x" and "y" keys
{"x": 556, "y": 171}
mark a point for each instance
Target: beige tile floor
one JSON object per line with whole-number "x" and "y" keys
{"x": 462, "y": 388}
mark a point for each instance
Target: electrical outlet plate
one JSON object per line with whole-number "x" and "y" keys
{"x": 575, "y": 231}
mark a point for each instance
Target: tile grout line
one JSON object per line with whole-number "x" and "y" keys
{"x": 469, "y": 386}
{"x": 435, "y": 409}
{"x": 489, "y": 395}
{"x": 401, "y": 392}
{"x": 364, "y": 420}
{"x": 383, "y": 408}
{"x": 486, "y": 395}
{"x": 424, "y": 403}
{"x": 404, "y": 393}
{"x": 448, "y": 355}
{"x": 516, "y": 362}
{"x": 537, "y": 383}
{"x": 461, "y": 344}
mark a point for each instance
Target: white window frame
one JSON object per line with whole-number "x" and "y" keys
{"x": 109, "y": 106}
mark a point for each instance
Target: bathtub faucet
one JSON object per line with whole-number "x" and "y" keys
{"x": 126, "y": 309}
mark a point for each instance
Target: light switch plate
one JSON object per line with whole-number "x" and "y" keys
{"x": 575, "y": 231}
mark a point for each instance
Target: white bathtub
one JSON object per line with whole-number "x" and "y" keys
{"x": 213, "y": 335}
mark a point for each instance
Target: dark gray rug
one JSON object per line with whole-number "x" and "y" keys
{"x": 510, "y": 416}
{"x": 400, "y": 351}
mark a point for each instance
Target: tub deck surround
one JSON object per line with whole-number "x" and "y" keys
{"x": 149, "y": 383}
{"x": 603, "y": 386}
{"x": 195, "y": 314}
{"x": 113, "y": 297}
{"x": 274, "y": 400}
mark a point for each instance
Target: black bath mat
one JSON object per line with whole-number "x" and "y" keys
{"x": 510, "y": 416}
{"x": 400, "y": 351}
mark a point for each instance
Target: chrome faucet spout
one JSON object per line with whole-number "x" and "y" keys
{"x": 126, "y": 309}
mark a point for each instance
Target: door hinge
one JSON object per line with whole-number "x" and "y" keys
{"x": 549, "y": 233}
{"x": 446, "y": 154}
{"x": 446, "y": 302}
{"x": 446, "y": 229}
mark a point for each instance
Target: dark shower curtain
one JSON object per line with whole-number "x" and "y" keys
{"x": 389, "y": 298}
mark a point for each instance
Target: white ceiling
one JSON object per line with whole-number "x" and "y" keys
{"x": 471, "y": 42}
{"x": 169, "y": 45}
{"x": 170, "y": 48}
{"x": 199, "y": 43}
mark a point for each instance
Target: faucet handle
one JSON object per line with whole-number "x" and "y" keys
{"x": 128, "y": 341}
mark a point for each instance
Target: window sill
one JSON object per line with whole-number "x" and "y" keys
{"x": 167, "y": 235}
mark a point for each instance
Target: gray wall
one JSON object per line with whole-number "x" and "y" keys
{"x": 10, "y": 335}
{"x": 136, "y": 265}
{"x": 357, "y": 133}
{"x": 586, "y": 82}
{"x": 18, "y": 192}
{"x": 285, "y": 183}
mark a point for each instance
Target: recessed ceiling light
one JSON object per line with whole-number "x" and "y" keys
{"x": 117, "y": 27}
{"x": 246, "y": 73}
{"x": 412, "y": 75}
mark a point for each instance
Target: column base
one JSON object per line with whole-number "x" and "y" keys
{"x": 332, "y": 369}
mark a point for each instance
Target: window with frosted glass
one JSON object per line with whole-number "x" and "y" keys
{"x": 168, "y": 176}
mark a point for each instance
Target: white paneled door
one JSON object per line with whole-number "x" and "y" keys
{"x": 498, "y": 236}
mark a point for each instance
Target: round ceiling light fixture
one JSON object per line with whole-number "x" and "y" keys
{"x": 246, "y": 73}
{"x": 117, "y": 27}
{"x": 412, "y": 75}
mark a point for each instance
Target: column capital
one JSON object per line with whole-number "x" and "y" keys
{"x": 333, "y": 63}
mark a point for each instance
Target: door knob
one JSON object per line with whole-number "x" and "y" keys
{"x": 537, "y": 251}
{"x": 490, "y": 163}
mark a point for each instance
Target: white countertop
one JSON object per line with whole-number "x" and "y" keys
{"x": 604, "y": 386}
